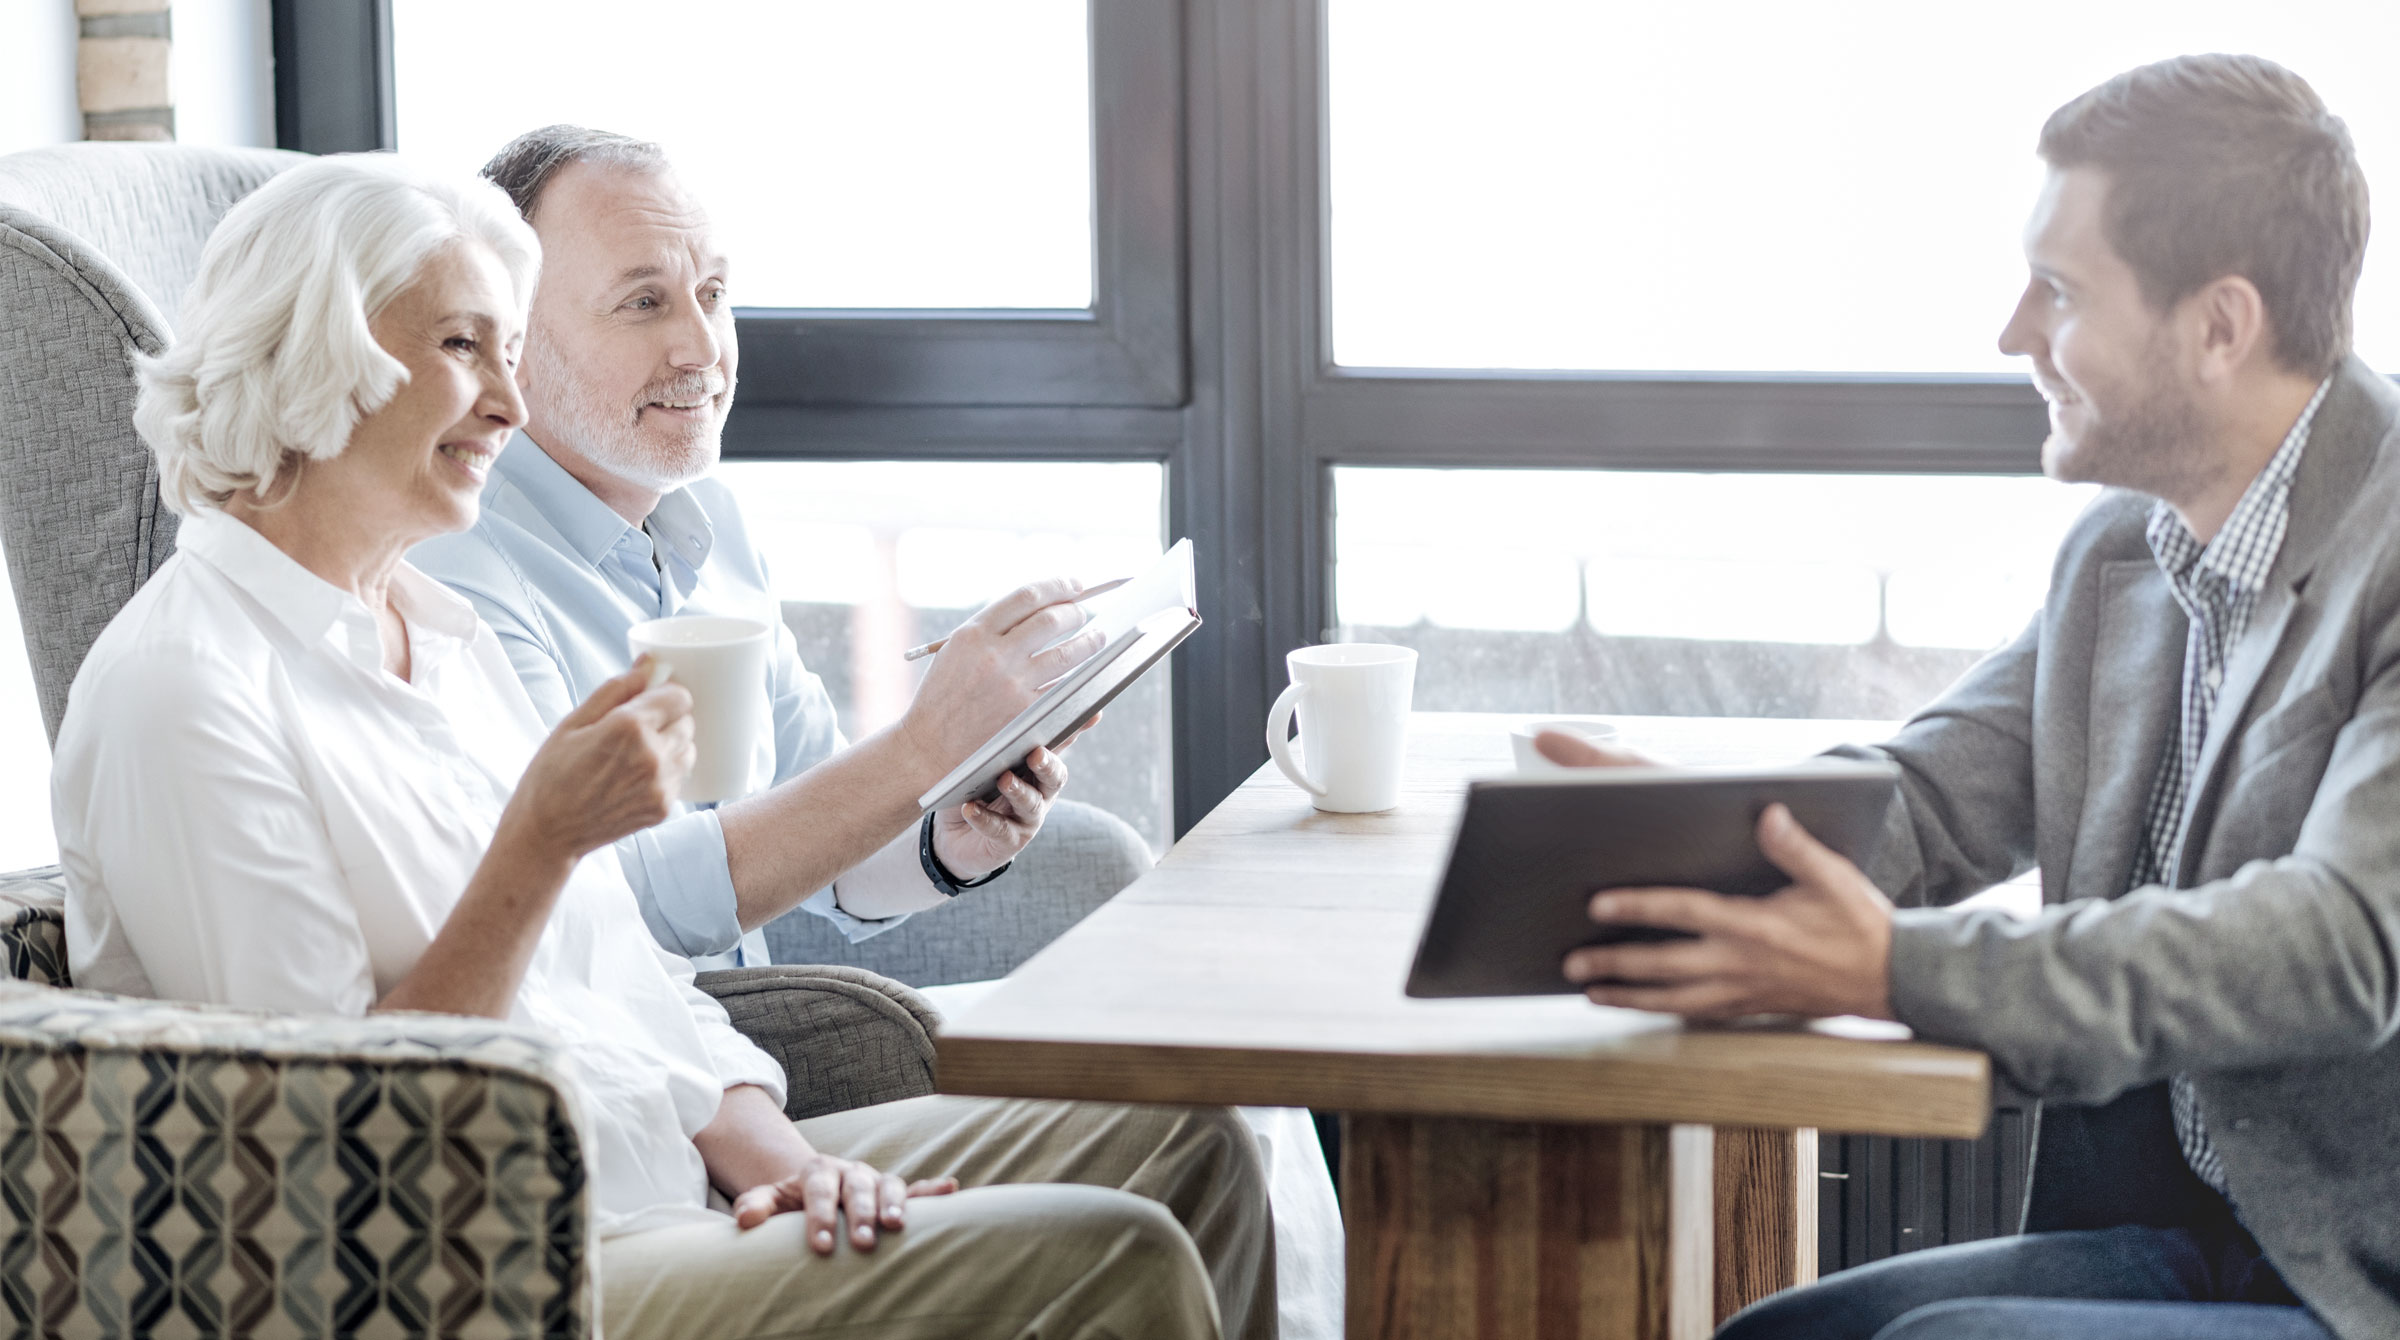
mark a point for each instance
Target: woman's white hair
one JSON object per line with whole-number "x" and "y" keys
{"x": 275, "y": 363}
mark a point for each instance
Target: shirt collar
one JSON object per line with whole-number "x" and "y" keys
{"x": 314, "y": 609}
{"x": 591, "y": 527}
{"x": 2245, "y": 546}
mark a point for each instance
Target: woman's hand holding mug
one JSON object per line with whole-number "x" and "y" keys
{"x": 611, "y": 768}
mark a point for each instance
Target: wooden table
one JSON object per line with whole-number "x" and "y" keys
{"x": 1511, "y": 1168}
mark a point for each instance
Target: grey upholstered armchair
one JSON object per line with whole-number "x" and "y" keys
{"x": 226, "y": 1170}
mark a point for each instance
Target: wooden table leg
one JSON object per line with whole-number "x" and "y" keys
{"x": 1766, "y": 1213}
{"x": 1485, "y": 1230}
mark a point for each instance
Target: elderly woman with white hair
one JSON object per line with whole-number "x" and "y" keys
{"x": 297, "y": 774}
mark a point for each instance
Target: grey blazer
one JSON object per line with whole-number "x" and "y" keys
{"x": 2271, "y": 971}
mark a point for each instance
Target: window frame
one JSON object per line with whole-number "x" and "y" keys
{"x": 1207, "y": 349}
{"x": 1126, "y": 350}
{"x": 1782, "y": 422}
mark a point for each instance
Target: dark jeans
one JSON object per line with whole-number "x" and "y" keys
{"x": 2118, "y": 1283}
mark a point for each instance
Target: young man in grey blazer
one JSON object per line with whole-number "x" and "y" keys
{"x": 2197, "y": 741}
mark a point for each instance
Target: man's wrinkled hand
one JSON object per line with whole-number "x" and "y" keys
{"x": 976, "y": 838}
{"x": 828, "y": 1190}
{"x": 993, "y": 666}
{"x": 1819, "y": 946}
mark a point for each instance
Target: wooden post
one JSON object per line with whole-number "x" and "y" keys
{"x": 1766, "y": 1222}
{"x": 1482, "y": 1230}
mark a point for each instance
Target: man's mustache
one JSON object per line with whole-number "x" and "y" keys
{"x": 700, "y": 386}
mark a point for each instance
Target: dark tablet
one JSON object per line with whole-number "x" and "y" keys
{"x": 1531, "y": 852}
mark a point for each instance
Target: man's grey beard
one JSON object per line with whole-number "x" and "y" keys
{"x": 609, "y": 436}
{"x": 2157, "y": 445}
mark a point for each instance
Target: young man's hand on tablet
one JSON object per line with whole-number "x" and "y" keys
{"x": 1819, "y": 946}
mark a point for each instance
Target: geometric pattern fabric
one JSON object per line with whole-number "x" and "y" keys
{"x": 171, "y": 1170}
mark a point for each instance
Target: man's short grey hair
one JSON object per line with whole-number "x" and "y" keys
{"x": 276, "y": 363}
{"x": 524, "y": 168}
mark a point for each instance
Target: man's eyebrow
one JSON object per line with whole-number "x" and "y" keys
{"x": 636, "y": 273}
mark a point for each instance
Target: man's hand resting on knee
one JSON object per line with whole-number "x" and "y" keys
{"x": 757, "y": 1157}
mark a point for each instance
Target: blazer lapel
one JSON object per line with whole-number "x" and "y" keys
{"x": 2341, "y": 447}
{"x": 2139, "y": 649}
{"x": 2243, "y": 669}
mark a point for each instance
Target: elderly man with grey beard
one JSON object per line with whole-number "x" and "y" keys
{"x": 599, "y": 514}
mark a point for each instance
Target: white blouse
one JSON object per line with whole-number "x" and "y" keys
{"x": 252, "y": 811}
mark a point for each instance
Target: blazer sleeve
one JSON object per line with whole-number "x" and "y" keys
{"x": 2284, "y": 960}
{"x": 1963, "y": 819}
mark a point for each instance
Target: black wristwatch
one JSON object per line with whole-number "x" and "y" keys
{"x": 950, "y": 885}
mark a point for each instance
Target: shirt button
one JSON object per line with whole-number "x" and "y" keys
{"x": 2215, "y": 676}
{"x": 2241, "y": 1123}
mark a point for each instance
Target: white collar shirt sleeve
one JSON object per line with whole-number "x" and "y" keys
{"x": 253, "y": 812}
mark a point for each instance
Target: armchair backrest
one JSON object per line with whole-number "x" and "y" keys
{"x": 97, "y": 244}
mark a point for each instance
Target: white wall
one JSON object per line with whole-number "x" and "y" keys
{"x": 223, "y": 74}
{"x": 37, "y": 74}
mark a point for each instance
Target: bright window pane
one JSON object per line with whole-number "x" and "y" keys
{"x": 906, "y": 153}
{"x": 1849, "y": 596}
{"x": 1750, "y": 185}
{"x": 26, "y": 838}
{"x": 874, "y": 557}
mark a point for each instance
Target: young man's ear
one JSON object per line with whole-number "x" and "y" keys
{"x": 2232, "y": 326}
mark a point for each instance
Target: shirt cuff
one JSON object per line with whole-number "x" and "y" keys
{"x": 738, "y": 1061}
{"x": 853, "y": 929}
{"x": 732, "y": 1057}
{"x": 680, "y": 878}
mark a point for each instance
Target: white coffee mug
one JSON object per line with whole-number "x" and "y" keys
{"x": 1529, "y": 756}
{"x": 722, "y": 663}
{"x": 1352, "y": 698}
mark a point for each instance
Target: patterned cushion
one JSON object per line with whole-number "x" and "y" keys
{"x": 190, "y": 1169}
{"x": 33, "y": 925}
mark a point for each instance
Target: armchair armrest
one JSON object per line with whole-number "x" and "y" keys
{"x": 846, "y": 1037}
{"x": 170, "y": 1166}
{"x": 1081, "y": 858}
{"x": 33, "y": 927}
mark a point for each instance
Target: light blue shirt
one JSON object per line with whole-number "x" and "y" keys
{"x": 561, "y": 577}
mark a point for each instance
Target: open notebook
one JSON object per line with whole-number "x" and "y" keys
{"x": 1142, "y": 621}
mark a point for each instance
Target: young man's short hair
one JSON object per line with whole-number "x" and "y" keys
{"x": 2228, "y": 165}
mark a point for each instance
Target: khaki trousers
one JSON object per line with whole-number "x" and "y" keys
{"x": 1074, "y": 1220}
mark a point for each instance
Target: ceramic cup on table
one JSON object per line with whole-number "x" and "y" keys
{"x": 1352, "y": 701}
{"x": 1529, "y": 758}
{"x": 722, "y": 663}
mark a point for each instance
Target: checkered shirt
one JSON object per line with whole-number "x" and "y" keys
{"x": 2217, "y": 585}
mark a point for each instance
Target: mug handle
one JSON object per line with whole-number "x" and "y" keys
{"x": 1279, "y": 746}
